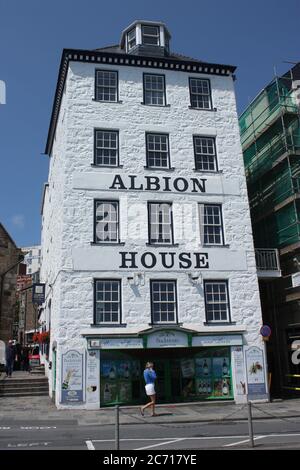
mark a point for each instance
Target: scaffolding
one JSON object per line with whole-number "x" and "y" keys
{"x": 270, "y": 136}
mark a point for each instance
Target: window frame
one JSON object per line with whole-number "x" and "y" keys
{"x": 109, "y": 242}
{"x": 211, "y": 108}
{"x": 95, "y": 301}
{"x": 150, "y": 35}
{"x": 213, "y": 138}
{"x": 174, "y": 281}
{"x": 95, "y": 148}
{"x": 217, "y": 281}
{"x": 171, "y": 243}
{"x": 97, "y": 86}
{"x": 164, "y": 93}
{"x": 147, "y": 134}
{"x": 127, "y": 40}
{"x": 202, "y": 227}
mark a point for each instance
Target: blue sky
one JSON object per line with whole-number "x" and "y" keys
{"x": 255, "y": 36}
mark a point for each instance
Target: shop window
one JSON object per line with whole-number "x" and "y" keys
{"x": 216, "y": 301}
{"x": 120, "y": 381}
{"x": 163, "y": 302}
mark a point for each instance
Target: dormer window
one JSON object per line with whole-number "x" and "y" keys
{"x": 150, "y": 35}
{"x": 131, "y": 39}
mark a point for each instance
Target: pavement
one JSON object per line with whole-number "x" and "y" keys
{"x": 43, "y": 411}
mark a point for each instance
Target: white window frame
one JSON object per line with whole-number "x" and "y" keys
{"x": 216, "y": 300}
{"x": 106, "y": 88}
{"x": 110, "y": 301}
{"x": 203, "y": 96}
{"x": 109, "y": 223}
{"x": 153, "y": 90}
{"x": 109, "y": 152}
{"x": 208, "y": 220}
{"x": 166, "y": 302}
{"x": 207, "y": 153}
{"x": 160, "y": 216}
{"x": 157, "y": 153}
{"x": 149, "y": 35}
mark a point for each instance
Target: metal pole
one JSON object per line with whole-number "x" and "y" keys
{"x": 250, "y": 425}
{"x": 117, "y": 429}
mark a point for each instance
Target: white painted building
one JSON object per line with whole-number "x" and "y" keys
{"x": 147, "y": 250}
{"x": 32, "y": 258}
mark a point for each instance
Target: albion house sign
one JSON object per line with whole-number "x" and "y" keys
{"x": 168, "y": 260}
{"x": 156, "y": 183}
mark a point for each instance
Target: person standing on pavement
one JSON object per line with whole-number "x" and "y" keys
{"x": 10, "y": 355}
{"x": 149, "y": 377}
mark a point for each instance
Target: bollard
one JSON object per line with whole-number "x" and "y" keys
{"x": 117, "y": 429}
{"x": 250, "y": 425}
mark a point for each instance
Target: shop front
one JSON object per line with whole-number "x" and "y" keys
{"x": 188, "y": 367}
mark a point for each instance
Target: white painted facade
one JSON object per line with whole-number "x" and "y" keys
{"x": 32, "y": 258}
{"x": 71, "y": 261}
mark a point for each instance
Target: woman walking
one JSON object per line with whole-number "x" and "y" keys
{"x": 150, "y": 377}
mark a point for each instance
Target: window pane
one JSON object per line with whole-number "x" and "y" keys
{"x": 161, "y": 227}
{"x": 107, "y": 301}
{"x": 106, "y": 221}
{"x": 211, "y": 220}
{"x": 205, "y": 154}
{"x": 106, "y": 148}
{"x": 217, "y": 306}
{"x": 106, "y": 85}
{"x": 157, "y": 150}
{"x": 154, "y": 90}
{"x": 200, "y": 93}
{"x": 163, "y": 302}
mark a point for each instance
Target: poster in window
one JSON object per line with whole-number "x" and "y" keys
{"x": 109, "y": 370}
{"x": 109, "y": 392}
{"x": 125, "y": 393}
{"x": 203, "y": 366}
{"x": 187, "y": 368}
{"x": 124, "y": 369}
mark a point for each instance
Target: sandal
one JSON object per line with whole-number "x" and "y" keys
{"x": 142, "y": 411}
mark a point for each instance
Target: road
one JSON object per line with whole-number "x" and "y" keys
{"x": 269, "y": 434}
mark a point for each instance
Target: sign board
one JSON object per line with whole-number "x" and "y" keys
{"x": 116, "y": 343}
{"x": 167, "y": 339}
{"x": 238, "y": 366}
{"x": 158, "y": 183}
{"x": 93, "y": 377}
{"x": 255, "y": 367}
{"x": 72, "y": 377}
{"x": 116, "y": 259}
{"x": 220, "y": 340}
{"x": 38, "y": 293}
{"x": 296, "y": 279}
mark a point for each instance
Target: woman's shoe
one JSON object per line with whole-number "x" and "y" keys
{"x": 142, "y": 411}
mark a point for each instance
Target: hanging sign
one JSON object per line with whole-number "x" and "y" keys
{"x": 72, "y": 377}
{"x": 38, "y": 293}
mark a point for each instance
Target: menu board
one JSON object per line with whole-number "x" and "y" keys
{"x": 92, "y": 377}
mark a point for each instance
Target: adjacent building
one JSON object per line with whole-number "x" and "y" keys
{"x": 32, "y": 258}
{"x": 147, "y": 249}
{"x": 10, "y": 258}
{"x": 270, "y": 137}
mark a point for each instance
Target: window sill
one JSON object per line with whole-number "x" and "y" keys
{"x": 208, "y": 172}
{"x": 93, "y": 165}
{"x": 159, "y": 168}
{"x": 203, "y": 109}
{"x": 163, "y": 245}
{"x": 157, "y": 325}
{"x": 106, "y": 325}
{"x": 107, "y": 244}
{"x": 157, "y": 105}
{"x": 215, "y": 246}
{"x": 104, "y": 101}
{"x": 219, "y": 323}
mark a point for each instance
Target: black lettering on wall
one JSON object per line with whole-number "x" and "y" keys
{"x": 153, "y": 260}
{"x": 117, "y": 183}
{"x": 132, "y": 183}
{"x": 128, "y": 257}
{"x": 201, "y": 260}
{"x": 200, "y": 184}
{"x": 185, "y": 260}
{"x": 181, "y": 182}
{"x": 152, "y": 181}
{"x": 164, "y": 260}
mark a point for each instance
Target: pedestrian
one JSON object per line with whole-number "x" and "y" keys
{"x": 10, "y": 355}
{"x": 149, "y": 377}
